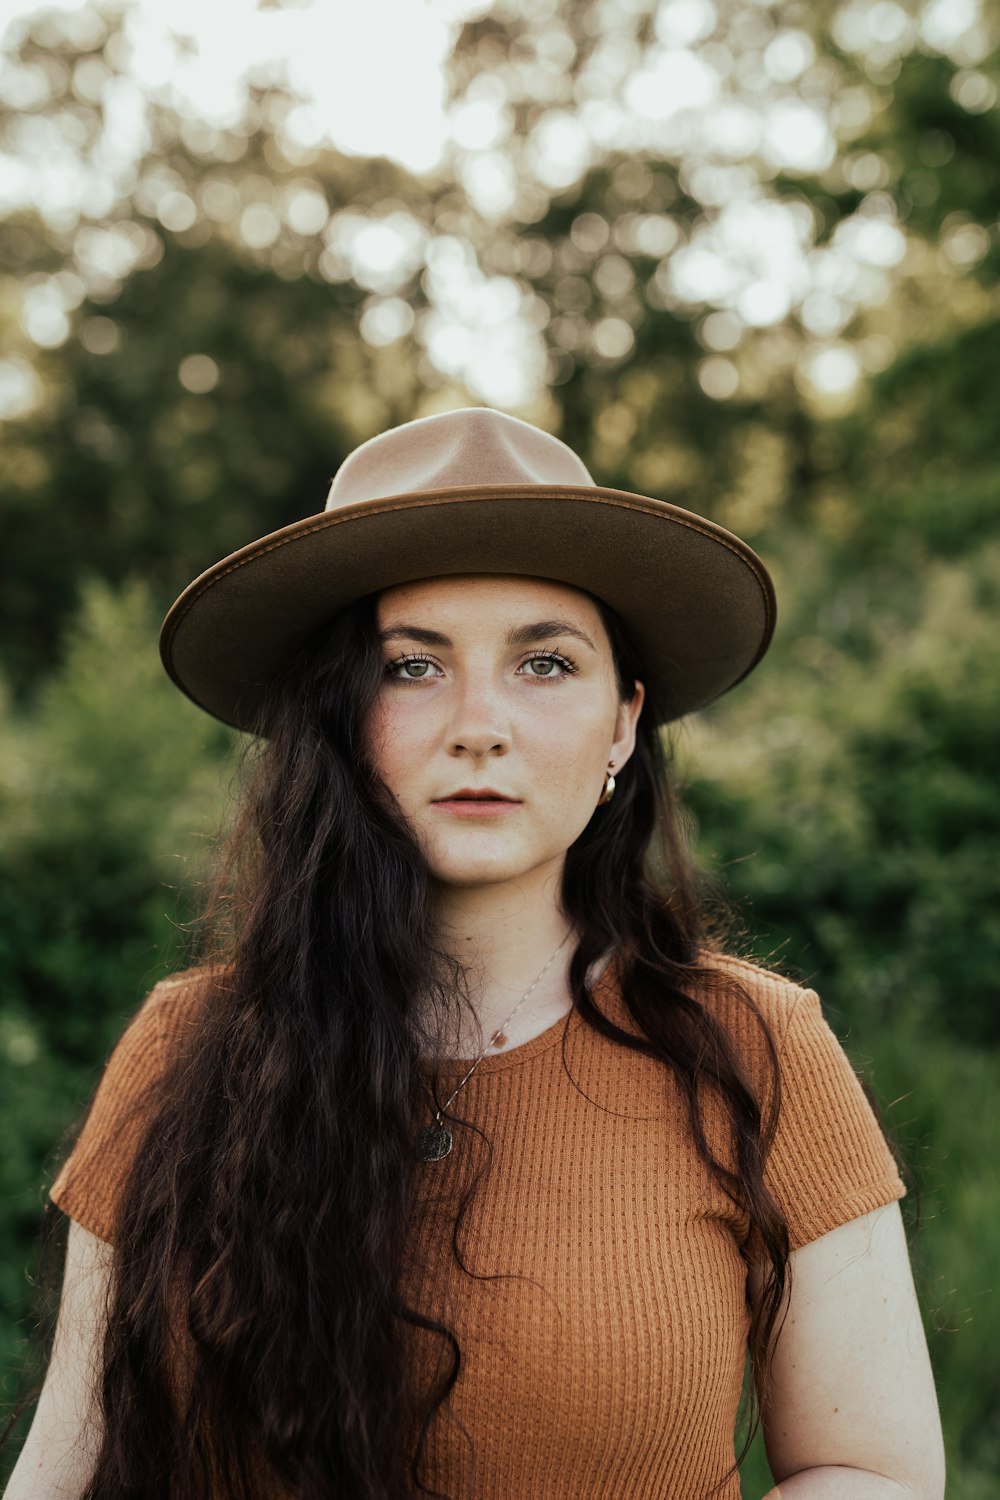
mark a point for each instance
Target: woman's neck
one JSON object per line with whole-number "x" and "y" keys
{"x": 505, "y": 935}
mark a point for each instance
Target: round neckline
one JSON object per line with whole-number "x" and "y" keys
{"x": 519, "y": 1054}
{"x": 568, "y": 1022}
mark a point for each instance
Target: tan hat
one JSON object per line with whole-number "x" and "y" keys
{"x": 474, "y": 491}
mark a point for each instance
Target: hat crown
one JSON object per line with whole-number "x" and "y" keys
{"x": 472, "y": 446}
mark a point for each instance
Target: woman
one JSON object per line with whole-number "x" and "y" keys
{"x": 464, "y": 1163}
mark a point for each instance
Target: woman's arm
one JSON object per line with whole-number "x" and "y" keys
{"x": 61, "y": 1448}
{"x": 852, "y": 1412}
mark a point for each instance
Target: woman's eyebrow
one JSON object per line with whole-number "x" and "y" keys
{"x": 521, "y": 635}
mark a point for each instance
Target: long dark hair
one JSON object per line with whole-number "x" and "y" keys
{"x": 270, "y": 1203}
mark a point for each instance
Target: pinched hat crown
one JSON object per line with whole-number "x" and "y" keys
{"x": 466, "y": 492}
{"x": 471, "y": 446}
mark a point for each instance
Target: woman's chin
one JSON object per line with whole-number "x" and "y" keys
{"x": 475, "y": 868}
{"x": 479, "y": 873}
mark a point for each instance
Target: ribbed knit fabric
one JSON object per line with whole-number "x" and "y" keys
{"x": 605, "y": 1360}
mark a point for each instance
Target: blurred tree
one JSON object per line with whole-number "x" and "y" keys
{"x": 212, "y": 402}
{"x": 110, "y": 793}
{"x": 852, "y": 805}
{"x": 728, "y": 213}
{"x": 111, "y": 790}
{"x": 200, "y": 371}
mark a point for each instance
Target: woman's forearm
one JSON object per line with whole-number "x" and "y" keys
{"x": 836, "y": 1483}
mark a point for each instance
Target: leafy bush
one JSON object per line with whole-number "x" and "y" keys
{"x": 849, "y": 797}
{"x": 107, "y": 789}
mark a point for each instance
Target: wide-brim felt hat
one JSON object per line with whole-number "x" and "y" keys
{"x": 474, "y": 491}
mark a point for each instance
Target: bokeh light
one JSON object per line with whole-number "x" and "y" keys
{"x": 735, "y": 95}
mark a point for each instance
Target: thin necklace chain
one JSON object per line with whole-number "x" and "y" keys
{"x": 438, "y": 1113}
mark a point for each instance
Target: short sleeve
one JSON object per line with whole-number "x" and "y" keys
{"x": 830, "y": 1161}
{"x": 88, "y": 1184}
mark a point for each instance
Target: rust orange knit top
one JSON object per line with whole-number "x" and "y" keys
{"x": 606, "y": 1361}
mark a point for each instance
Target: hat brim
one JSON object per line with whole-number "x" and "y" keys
{"x": 697, "y": 600}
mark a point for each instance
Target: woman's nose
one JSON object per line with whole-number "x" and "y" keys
{"x": 480, "y": 720}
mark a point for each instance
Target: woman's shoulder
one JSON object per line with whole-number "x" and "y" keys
{"x": 729, "y": 982}
{"x": 169, "y": 1013}
{"x": 185, "y": 983}
{"x": 173, "y": 1002}
{"x": 116, "y": 1117}
{"x": 753, "y": 1004}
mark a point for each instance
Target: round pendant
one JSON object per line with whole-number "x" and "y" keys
{"x": 433, "y": 1142}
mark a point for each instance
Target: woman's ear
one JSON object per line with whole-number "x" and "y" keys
{"x": 625, "y": 724}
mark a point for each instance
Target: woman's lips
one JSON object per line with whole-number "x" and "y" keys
{"x": 470, "y": 807}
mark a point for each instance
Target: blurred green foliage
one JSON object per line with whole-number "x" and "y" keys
{"x": 847, "y": 796}
{"x": 109, "y": 796}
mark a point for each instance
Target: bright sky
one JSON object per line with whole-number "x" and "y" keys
{"x": 370, "y": 69}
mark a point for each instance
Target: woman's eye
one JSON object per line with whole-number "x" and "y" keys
{"x": 553, "y": 660}
{"x": 546, "y": 662}
{"x": 419, "y": 664}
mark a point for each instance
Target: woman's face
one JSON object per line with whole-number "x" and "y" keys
{"x": 504, "y": 683}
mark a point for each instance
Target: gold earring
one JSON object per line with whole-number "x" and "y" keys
{"x": 609, "y": 787}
